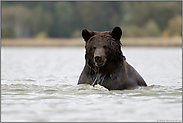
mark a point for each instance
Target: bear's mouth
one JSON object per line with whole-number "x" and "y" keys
{"x": 100, "y": 63}
{"x": 99, "y": 60}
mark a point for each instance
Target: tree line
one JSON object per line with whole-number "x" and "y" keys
{"x": 66, "y": 19}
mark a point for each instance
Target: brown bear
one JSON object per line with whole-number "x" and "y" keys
{"x": 105, "y": 64}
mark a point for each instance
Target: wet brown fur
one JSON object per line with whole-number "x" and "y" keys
{"x": 116, "y": 73}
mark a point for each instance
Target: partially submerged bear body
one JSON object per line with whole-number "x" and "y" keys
{"x": 105, "y": 63}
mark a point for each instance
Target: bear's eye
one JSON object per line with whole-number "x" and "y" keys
{"x": 94, "y": 48}
{"x": 105, "y": 47}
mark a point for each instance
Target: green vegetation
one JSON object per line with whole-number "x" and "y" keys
{"x": 66, "y": 19}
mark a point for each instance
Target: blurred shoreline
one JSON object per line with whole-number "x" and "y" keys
{"x": 140, "y": 41}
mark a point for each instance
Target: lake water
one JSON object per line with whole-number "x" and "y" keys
{"x": 40, "y": 84}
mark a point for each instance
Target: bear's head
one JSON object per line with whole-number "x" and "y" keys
{"x": 103, "y": 49}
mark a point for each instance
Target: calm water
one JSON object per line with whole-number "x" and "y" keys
{"x": 40, "y": 84}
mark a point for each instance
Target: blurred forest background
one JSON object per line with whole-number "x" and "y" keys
{"x": 66, "y": 19}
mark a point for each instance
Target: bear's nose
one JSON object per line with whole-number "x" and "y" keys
{"x": 98, "y": 58}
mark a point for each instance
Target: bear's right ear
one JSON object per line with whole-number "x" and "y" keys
{"x": 86, "y": 34}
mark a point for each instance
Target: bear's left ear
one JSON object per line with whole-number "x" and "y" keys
{"x": 116, "y": 33}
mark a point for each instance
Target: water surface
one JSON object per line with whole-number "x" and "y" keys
{"x": 40, "y": 84}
